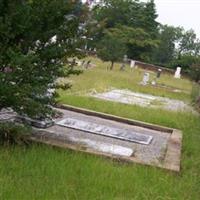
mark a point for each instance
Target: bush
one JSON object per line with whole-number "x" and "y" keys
{"x": 195, "y": 72}
{"x": 11, "y": 133}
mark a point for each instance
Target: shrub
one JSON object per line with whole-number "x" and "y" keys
{"x": 11, "y": 133}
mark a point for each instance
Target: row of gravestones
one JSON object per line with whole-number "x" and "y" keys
{"x": 147, "y": 75}
{"x": 176, "y": 75}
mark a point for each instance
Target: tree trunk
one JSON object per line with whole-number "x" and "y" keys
{"x": 112, "y": 65}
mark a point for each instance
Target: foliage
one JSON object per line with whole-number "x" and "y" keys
{"x": 137, "y": 41}
{"x": 34, "y": 37}
{"x": 132, "y": 21}
{"x": 150, "y": 25}
{"x": 11, "y": 133}
{"x": 111, "y": 48}
{"x": 188, "y": 43}
{"x": 165, "y": 51}
{"x": 195, "y": 72}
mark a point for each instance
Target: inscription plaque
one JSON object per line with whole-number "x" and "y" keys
{"x": 108, "y": 131}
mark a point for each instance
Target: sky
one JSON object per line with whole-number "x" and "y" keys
{"x": 185, "y": 13}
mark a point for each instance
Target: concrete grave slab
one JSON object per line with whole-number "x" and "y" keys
{"x": 163, "y": 151}
{"x": 144, "y": 100}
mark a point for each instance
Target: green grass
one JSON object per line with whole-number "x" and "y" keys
{"x": 41, "y": 172}
{"x": 100, "y": 79}
{"x": 46, "y": 173}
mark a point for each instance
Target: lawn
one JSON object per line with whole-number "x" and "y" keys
{"x": 47, "y": 173}
{"x": 101, "y": 79}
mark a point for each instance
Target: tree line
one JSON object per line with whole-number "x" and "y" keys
{"x": 129, "y": 27}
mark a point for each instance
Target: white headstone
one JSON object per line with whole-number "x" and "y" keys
{"x": 132, "y": 65}
{"x": 177, "y": 73}
{"x": 145, "y": 78}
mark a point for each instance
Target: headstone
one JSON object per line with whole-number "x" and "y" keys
{"x": 122, "y": 68}
{"x": 153, "y": 82}
{"x": 177, "y": 73}
{"x": 132, "y": 65}
{"x": 145, "y": 78}
{"x": 158, "y": 73}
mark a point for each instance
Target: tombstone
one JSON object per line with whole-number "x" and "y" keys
{"x": 132, "y": 65}
{"x": 153, "y": 82}
{"x": 177, "y": 73}
{"x": 158, "y": 73}
{"x": 145, "y": 78}
{"x": 122, "y": 68}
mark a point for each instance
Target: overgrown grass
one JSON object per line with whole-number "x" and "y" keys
{"x": 46, "y": 173}
{"x": 41, "y": 172}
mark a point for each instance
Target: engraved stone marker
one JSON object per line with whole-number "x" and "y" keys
{"x": 132, "y": 65}
{"x": 106, "y": 130}
{"x": 158, "y": 73}
{"x": 145, "y": 78}
{"x": 177, "y": 73}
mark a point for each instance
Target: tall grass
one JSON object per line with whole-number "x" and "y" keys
{"x": 46, "y": 173}
{"x": 41, "y": 172}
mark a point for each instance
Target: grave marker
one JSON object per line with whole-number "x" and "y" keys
{"x": 177, "y": 73}
{"x": 106, "y": 130}
{"x": 145, "y": 78}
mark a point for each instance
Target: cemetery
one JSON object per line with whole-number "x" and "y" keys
{"x": 107, "y": 118}
{"x": 98, "y": 100}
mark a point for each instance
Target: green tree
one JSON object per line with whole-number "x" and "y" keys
{"x": 195, "y": 72}
{"x": 34, "y": 37}
{"x": 111, "y": 49}
{"x": 165, "y": 51}
{"x": 130, "y": 13}
{"x": 150, "y": 25}
{"x": 187, "y": 43}
{"x": 138, "y": 42}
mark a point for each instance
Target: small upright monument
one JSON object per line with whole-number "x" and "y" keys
{"x": 177, "y": 73}
{"x": 132, "y": 65}
{"x": 159, "y": 73}
{"x": 145, "y": 78}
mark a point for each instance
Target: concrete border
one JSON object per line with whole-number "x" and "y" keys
{"x": 115, "y": 118}
{"x": 172, "y": 160}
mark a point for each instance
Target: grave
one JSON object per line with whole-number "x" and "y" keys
{"x": 144, "y": 100}
{"x": 114, "y": 137}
